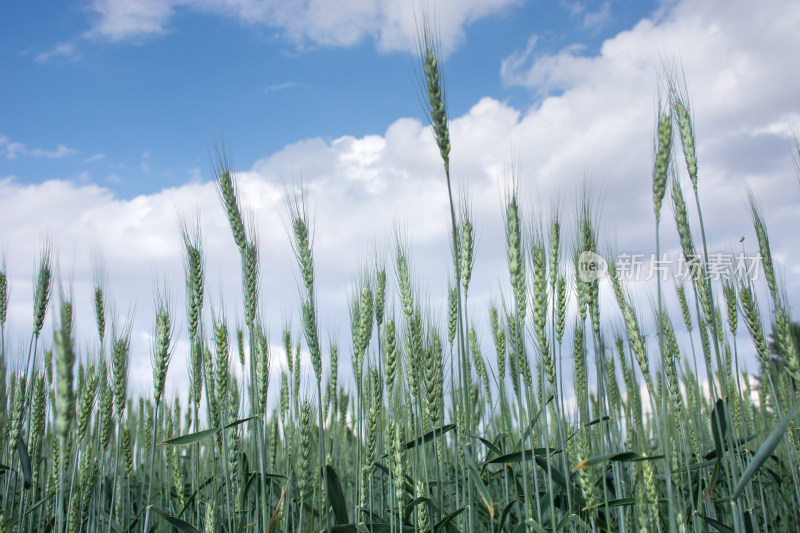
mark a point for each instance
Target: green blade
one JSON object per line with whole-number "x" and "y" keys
{"x": 766, "y": 449}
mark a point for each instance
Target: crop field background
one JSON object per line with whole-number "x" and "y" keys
{"x": 569, "y": 306}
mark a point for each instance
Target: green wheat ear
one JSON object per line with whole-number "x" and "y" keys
{"x": 663, "y": 160}
{"x": 41, "y": 295}
{"x": 162, "y": 350}
{"x": 3, "y": 297}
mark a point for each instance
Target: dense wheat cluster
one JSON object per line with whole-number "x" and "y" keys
{"x": 576, "y": 421}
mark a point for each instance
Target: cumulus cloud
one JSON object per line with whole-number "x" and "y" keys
{"x": 597, "y": 127}
{"x": 306, "y": 22}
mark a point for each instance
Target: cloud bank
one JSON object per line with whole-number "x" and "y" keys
{"x": 308, "y": 22}
{"x": 594, "y": 124}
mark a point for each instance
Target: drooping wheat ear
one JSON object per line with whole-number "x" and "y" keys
{"x": 663, "y": 160}
{"x": 262, "y": 368}
{"x": 390, "y": 362}
{"x": 41, "y": 295}
{"x": 162, "y": 352}
{"x": 763, "y": 247}
{"x": 230, "y": 200}
{"x": 540, "y": 309}
{"x": 516, "y": 256}
{"x": 119, "y": 368}
{"x": 380, "y": 297}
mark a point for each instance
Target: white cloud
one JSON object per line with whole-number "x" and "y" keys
{"x": 600, "y": 125}
{"x": 93, "y": 158}
{"x": 58, "y": 153}
{"x": 590, "y": 19}
{"x": 66, "y": 49}
{"x": 123, "y": 19}
{"x": 195, "y": 175}
{"x": 12, "y": 150}
{"x": 307, "y": 22}
{"x": 144, "y": 162}
{"x": 281, "y": 86}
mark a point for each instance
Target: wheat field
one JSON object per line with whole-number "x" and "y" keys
{"x": 576, "y": 420}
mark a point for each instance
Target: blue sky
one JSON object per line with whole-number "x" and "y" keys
{"x": 138, "y": 112}
{"x": 109, "y": 111}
